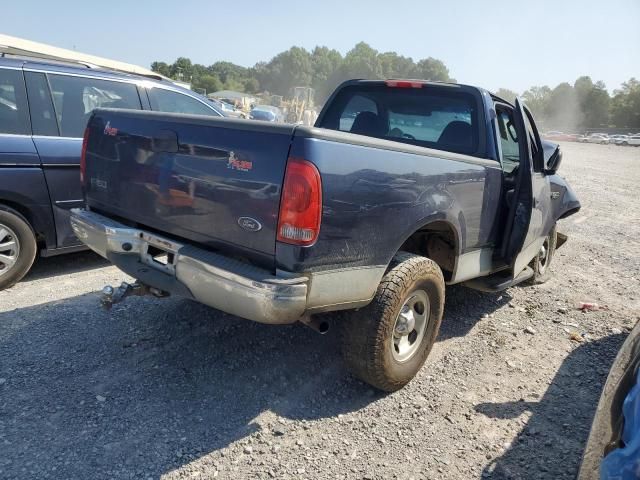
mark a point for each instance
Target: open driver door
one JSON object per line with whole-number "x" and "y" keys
{"x": 528, "y": 221}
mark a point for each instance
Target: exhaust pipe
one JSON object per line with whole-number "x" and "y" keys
{"x": 319, "y": 325}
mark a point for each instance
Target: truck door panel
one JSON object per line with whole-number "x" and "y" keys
{"x": 529, "y": 219}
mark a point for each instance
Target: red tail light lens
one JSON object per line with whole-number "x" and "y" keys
{"x": 83, "y": 155}
{"x": 301, "y": 203}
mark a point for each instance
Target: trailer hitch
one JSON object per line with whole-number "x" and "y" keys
{"x": 110, "y": 295}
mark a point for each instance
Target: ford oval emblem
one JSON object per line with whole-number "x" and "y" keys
{"x": 250, "y": 224}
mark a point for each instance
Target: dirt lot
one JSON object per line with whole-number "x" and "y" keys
{"x": 168, "y": 388}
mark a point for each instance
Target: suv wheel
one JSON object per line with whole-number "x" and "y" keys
{"x": 387, "y": 342}
{"x": 17, "y": 247}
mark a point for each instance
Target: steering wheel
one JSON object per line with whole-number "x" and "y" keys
{"x": 409, "y": 136}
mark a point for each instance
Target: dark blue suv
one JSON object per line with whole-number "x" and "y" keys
{"x": 44, "y": 108}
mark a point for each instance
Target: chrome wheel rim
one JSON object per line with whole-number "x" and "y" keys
{"x": 410, "y": 326}
{"x": 9, "y": 249}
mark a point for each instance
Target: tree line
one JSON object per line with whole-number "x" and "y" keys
{"x": 584, "y": 105}
{"x": 321, "y": 68}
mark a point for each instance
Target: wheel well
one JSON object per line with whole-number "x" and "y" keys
{"x": 437, "y": 241}
{"x": 28, "y": 216}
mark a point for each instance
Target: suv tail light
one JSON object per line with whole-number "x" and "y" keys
{"x": 301, "y": 203}
{"x": 83, "y": 155}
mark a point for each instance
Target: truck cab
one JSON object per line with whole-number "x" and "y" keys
{"x": 44, "y": 108}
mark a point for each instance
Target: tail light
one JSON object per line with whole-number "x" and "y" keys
{"x": 83, "y": 155}
{"x": 301, "y": 203}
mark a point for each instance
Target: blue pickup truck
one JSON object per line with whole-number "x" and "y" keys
{"x": 400, "y": 188}
{"x": 44, "y": 108}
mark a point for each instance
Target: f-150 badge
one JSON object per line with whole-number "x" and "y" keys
{"x": 235, "y": 163}
{"x": 109, "y": 130}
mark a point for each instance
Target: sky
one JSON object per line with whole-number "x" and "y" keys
{"x": 490, "y": 43}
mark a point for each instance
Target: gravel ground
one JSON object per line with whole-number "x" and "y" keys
{"x": 168, "y": 388}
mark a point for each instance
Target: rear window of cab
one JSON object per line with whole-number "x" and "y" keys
{"x": 444, "y": 118}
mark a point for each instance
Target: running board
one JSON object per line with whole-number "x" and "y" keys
{"x": 498, "y": 282}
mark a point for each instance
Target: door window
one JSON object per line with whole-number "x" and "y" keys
{"x": 13, "y": 103}
{"x": 173, "y": 102}
{"x": 43, "y": 115}
{"x": 508, "y": 139}
{"x": 75, "y": 97}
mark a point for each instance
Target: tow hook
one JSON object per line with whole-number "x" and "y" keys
{"x": 110, "y": 295}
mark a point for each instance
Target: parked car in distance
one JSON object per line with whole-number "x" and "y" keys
{"x": 574, "y": 137}
{"x": 557, "y": 136}
{"x": 44, "y": 107}
{"x": 630, "y": 140}
{"x": 599, "y": 138}
{"x": 617, "y": 139}
{"x": 398, "y": 189}
{"x": 266, "y": 113}
{"x": 228, "y": 109}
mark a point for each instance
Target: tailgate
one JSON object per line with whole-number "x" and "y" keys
{"x": 212, "y": 181}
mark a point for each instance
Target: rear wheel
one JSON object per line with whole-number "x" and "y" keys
{"x": 17, "y": 247}
{"x": 387, "y": 342}
{"x": 542, "y": 262}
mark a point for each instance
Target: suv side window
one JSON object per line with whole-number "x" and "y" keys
{"x": 508, "y": 139}
{"x": 14, "y": 118}
{"x": 174, "y": 102}
{"x": 75, "y": 97}
{"x": 43, "y": 115}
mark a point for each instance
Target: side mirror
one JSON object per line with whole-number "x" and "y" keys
{"x": 554, "y": 161}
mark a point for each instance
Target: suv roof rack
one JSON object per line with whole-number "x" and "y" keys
{"x": 19, "y": 47}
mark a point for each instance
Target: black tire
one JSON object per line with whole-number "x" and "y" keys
{"x": 368, "y": 333}
{"x": 542, "y": 263}
{"x": 15, "y": 225}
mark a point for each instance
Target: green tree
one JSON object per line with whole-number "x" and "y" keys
{"x": 506, "y": 94}
{"x": 326, "y": 64}
{"x": 594, "y": 100}
{"x": 162, "y": 68}
{"x": 286, "y": 70}
{"x": 563, "y": 110}
{"x": 433, "y": 70}
{"x": 537, "y": 99}
{"x": 182, "y": 69}
{"x": 396, "y": 66}
{"x": 625, "y": 106}
{"x": 361, "y": 61}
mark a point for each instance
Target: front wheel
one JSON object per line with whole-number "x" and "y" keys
{"x": 387, "y": 342}
{"x": 17, "y": 247}
{"x": 542, "y": 262}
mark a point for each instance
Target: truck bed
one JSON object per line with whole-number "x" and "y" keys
{"x": 200, "y": 178}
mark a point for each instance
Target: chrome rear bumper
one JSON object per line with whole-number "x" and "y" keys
{"x": 220, "y": 282}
